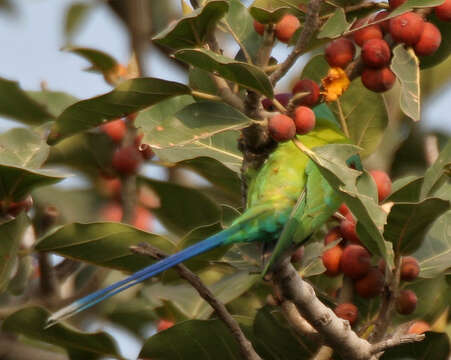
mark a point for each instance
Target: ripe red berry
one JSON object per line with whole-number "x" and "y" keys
{"x": 344, "y": 210}
{"x": 368, "y": 32}
{"x": 419, "y": 327}
{"x": 142, "y": 219}
{"x": 407, "y": 28}
{"x": 283, "y": 98}
{"x": 406, "y": 302}
{"x": 16, "y": 207}
{"x": 115, "y": 130}
{"x": 378, "y": 80}
{"x": 286, "y": 27}
{"x": 259, "y": 27}
{"x": 281, "y": 127}
{"x": 395, "y": 3}
{"x": 410, "y": 269}
{"x": 348, "y": 229}
{"x": 347, "y": 311}
{"x": 340, "y": 52}
{"x": 304, "y": 119}
{"x": 332, "y": 259}
{"x": 371, "y": 284}
{"x": 383, "y": 183}
{"x": 164, "y": 325}
{"x": 376, "y": 53}
{"x": 430, "y": 40}
{"x": 307, "y": 85}
{"x": 126, "y": 160}
{"x": 333, "y": 235}
{"x": 385, "y": 25}
{"x": 443, "y": 12}
{"x": 355, "y": 261}
{"x": 146, "y": 151}
{"x": 111, "y": 212}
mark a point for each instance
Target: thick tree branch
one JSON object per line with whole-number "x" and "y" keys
{"x": 246, "y": 348}
{"x": 336, "y": 332}
{"x": 310, "y": 26}
{"x": 297, "y": 322}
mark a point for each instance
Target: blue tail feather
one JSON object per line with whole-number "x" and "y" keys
{"x": 139, "y": 276}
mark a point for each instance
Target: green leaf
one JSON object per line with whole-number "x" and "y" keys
{"x": 331, "y": 160}
{"x": 192, "y": 29}
{"x": 406, "y": 67}
{"x": 99, "y": 60}
{"x": 201, "y": 81}
{"x": 129, "y": 97}
{"x": 270, "y": 11}
{"x": 434, "y": 347}
{"x": 444, "y": 50}
{"x": 12, "y": 232}
{"x": 75, "y": 16}
{"x": 182, "y": 209}
{"x": 365, "y": 114}
{"x": 436, "y": 172}
{"x": 246, "y": 75}
{"x": 406, "y": 189}
{"x": 186, "y": 299}
{"x": 222, "y": 147}
{"x": 312, "y": 263}
{"x": 193, "y": 339}
{"x": 412, "y": 4}
{"x": 215, "y": 172}
{"x": 275, "y": 338}
{"x": 195, "y": 121}
{"x": 104, "y": 244}
{"x": 435, "y": 251}
{"x": 86, "y": 152}
{"x": 31, "y": 322}
{"x": 407, "y": 223}
{"x": 54, "y": 101}
{"x": 22, "y": 147}
{"x": 335, "y": 26}
{"x": 239, "y": 21}
{"x": 17, "y": 104}
{"x": 316, "y": 68}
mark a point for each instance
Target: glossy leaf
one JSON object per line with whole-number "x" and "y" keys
{"x": 99, "y": 60}
{"x": 246, "y": 75}
{"x": 407, "y": 223}
{"x": 193, "y": 122}
{"x": 365, "y": 114}
{"x": 213, "y": 340}
{"x": 215, "y": 172}
{"x": 406, "y": 67}
{"x": 31, "y": 321}
{"x": 192, "y": 29}
{"x": 182, "y": 208}
{"x": 335, "y": 26}
{"x": 222, "y": 147}
{"x": 104, "y": 244}
{"x": 17, "y": 104}
{"x": 331, "y": 160}
{"x": 186, "y": 299}
{"x": 437, "y": 171}
{"x": 239, "y": 21}
{"x": 270, "y": 11}
{"x": 434, "y": 347}
{"x": 129, "y": 97}
{"x": 54, "y": 101}
{"x": 12, "y": 232}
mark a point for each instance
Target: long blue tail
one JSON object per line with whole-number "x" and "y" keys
{"x": 139, "y": 276}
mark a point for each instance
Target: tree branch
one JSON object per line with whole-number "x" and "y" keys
{"x": 336, "y": 332}
{"x": 393, "y": 342}
{"x": 311, "y": 24}
{"x": 246, "y": 348}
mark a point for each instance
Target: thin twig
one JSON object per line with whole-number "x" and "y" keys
{"x": 344, "y": 124}
{"x": 246, "y": 348}
{"x": 205, "y": 96}
{"x": 362, "y": 6}
{"x": 309, "y": 28}
{"x": 393, "y": 342}
{"x": 238, "y": 41}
